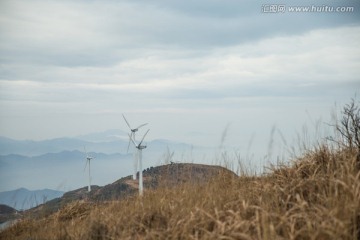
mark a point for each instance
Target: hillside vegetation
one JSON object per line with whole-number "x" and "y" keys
{"x": 317, "y": 196}
{"x": 155, "y": 177}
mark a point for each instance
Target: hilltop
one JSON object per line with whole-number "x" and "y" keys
{"x": 164, "y": 176}
{"x": 6, "y": 213}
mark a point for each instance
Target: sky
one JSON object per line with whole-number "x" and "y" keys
{"x": 191, "y": 69}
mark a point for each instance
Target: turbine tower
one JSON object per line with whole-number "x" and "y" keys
{"x": 140, "y": 148}
{"x": 87, "y": 164}
{"x": 132, "y": 136}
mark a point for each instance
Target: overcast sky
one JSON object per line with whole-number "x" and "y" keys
{"x": 189, "y": 68}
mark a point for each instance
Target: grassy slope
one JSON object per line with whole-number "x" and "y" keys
{"x": 154, "y": 177}
{"x": 317, "y": 197}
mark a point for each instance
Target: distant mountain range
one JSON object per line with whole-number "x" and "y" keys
{"x": 59, "y": 163}
{"x": 108, "y": 142}
{"x": 110, "y": 135}
{"x": 35, "y": 148}
{"x": 22, "y": 198}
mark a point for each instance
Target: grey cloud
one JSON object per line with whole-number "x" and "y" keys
{"x": 101, "y": 33}
{"x": 218, "y": 23}
{"x": 270, "y": 89}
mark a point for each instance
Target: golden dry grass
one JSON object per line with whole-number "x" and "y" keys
{"x": 315, "y": 197}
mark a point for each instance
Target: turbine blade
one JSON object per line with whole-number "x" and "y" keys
{"x": 144, "y": 137}
{"x": 132, "y": 140}
{"x": 128, "y": 145}
{"x": 86, "y": 163}
{"x": 142, "y": 125}
{"x": 85, "y": 152}
{"x": 126, "y": 121}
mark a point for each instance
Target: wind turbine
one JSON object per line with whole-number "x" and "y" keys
{"x": 88, "y": 159}
{"x": 132, "y": 136}
{"x": 140, "y": 148}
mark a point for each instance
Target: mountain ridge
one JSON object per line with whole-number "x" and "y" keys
{"x": 23, "y": 198}
{"x": 106, "y": 142}
{"x": 164, "y": 176}
{"x": 52, "y": 164}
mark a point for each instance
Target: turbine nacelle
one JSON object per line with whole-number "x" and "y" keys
{"x": 133, "y": 131}
{"x": 139, "y": 146}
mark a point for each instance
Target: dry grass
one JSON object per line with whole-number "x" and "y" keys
{"x": 316, "y": 197}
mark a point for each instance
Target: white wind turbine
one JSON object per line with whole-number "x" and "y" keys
{"x": 139, "y": 155}
{"x": 87, "y": 164}
{"x": 132, "y": 136}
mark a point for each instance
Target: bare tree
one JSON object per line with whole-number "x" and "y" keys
{"x": 349, "y": 129}
{"x": 349, "y": 126}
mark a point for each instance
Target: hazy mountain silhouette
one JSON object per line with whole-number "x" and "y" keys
{"x": 22, "y": 198}
{"x": 109, "y": 142}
